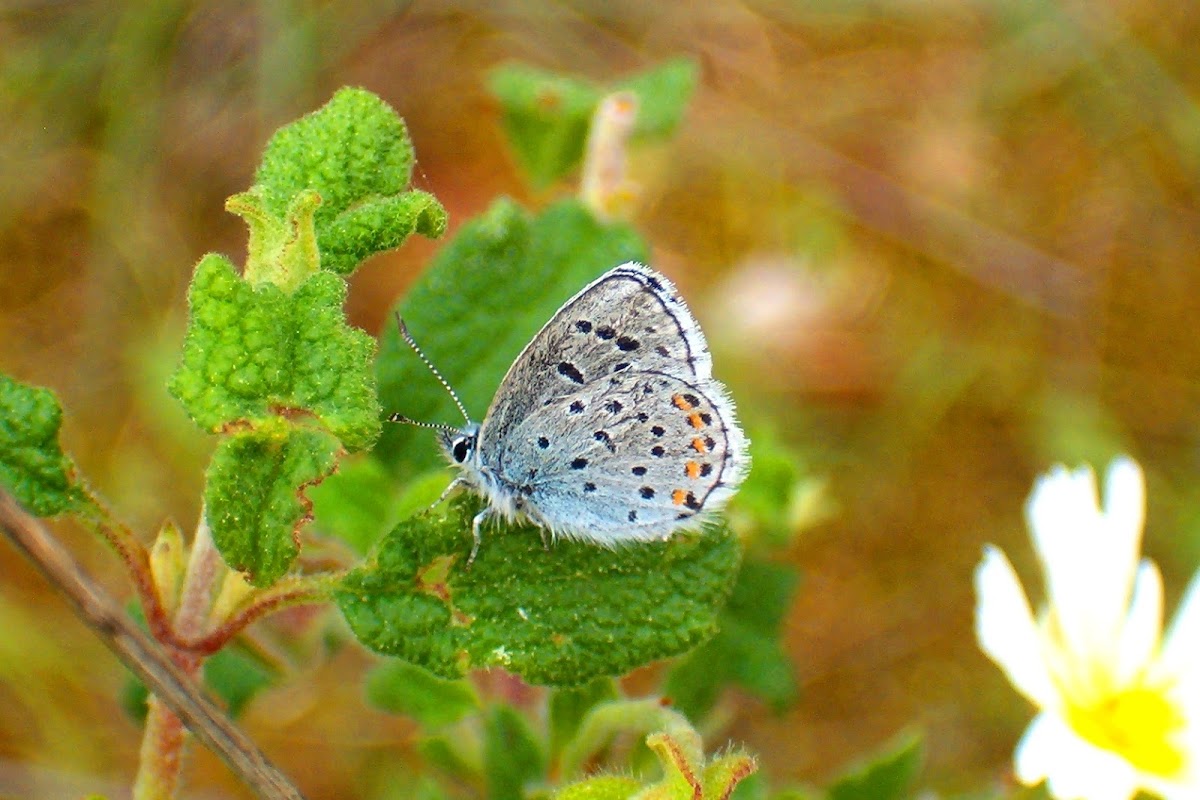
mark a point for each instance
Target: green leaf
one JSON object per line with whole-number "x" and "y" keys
{"x": 569, "y": 706}
{"x": 255, "y": 496}
{"x": 547, "y": 115}
{"x": 486, "y": 294}
{"x": 747, "y": 650}
{"x": 459, "y": 760}
{"x": 562, "y": 618}
{"x": 32, "y": 465}
{"x": 401, "y": 688}
{"x": 602, "y": 787}
{"x": 663, "y": 95}
{"x": 356, "y": 154}
{"x": 253, "y": 353}
{"x": 236, "y": 677}
{"x": 358, "y": 503}
{"x": 512, "y": 756}
{"x": 887, "y": 777}
{"x": 779, "y": 499}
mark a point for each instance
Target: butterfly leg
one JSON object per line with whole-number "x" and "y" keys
{"x": 454, "y": 484}
{"x": 475, "y": 526}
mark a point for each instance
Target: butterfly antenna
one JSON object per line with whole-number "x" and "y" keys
{"x": 425, "y": 360}
{"x": 434, "y": 425}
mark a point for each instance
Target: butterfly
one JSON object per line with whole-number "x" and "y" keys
{"x": 608, "y": 427}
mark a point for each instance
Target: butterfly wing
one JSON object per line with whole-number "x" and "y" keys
{"x": 609, "y": 425}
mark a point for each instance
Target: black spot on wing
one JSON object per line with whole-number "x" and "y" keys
{"x": 570, "y": 372}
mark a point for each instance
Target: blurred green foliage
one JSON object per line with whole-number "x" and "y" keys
{"x": 994, "y": 276}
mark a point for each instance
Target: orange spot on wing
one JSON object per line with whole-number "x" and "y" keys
{"x": 693, "y": 469}
{"x": 681, "y": 402}
{"x": 678, "y": 497}
{"x": 695, "y": 419}
{"x": 699, "y": 445}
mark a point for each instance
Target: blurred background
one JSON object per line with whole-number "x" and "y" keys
{"x": 937, "y": 247}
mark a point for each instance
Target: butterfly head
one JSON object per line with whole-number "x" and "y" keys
{"x": 459, "y": 444}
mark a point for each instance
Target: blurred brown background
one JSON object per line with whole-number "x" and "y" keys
{"x": 938, "y": 246}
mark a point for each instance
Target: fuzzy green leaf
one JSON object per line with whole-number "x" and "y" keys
{"x": 487, "y": 293}
{"x": 547, "y": 115}
{"x": 401, "y": 688}
{"x": 747, "y": 650}
{"x": 356, "y": 154}
{"x": 32, "y": 465}
{"x": 512, "y": 756}
{"x": 563, "y": 618}
{"x": 887, "y": 777}
{"x": 253, "y": 353}
{"x": 601, "y": 787}
{"x": 255, "y": 496}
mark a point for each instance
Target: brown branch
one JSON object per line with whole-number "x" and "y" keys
{"x": 139, "y": 653}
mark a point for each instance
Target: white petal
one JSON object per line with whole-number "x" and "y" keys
{"x": 1063, "y": 518}
{"x": 1089, "y": 558}
{"x": 1006, "y": 630}
{"x": 1119, "y": 548}
{"x": 1181, "y": 645}
{"x": 1143, "y": 624}
{"x": 1073, "y": 768}
{"x": 1125, "y": 500}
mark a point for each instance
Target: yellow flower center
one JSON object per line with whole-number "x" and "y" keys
{"x": 1140, "y": 723}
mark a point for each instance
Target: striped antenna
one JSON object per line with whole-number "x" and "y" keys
{"x": 445, "y": 384}
{"x": 434, "y": 425}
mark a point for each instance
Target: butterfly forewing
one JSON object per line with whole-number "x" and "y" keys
{"x": 630, "y": 318}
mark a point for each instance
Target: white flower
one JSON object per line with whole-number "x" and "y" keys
{"x": 1118, "y": 705}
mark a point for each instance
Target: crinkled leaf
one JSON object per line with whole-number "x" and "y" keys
{"x": 887, "y": 777}
{"x": 402, "y": 688}
{"x": 356, "y": 154}
{"x": 563, "y": 617}
{"x": 747, "y": 649}
{"x": 547, "y": 115}
{"x": 486, "y": 294}
{"x": 255, "y": 500}
{"x": 252, "y": 353}
{"x": 512, "y": 756}
{"x": 378, "y": 225}
{"x": 32, "y": 465}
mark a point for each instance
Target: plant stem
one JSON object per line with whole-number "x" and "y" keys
{"x": 165, "y": 677}
{"x": 300, "y": 591}
{"x": 160, "y": 760}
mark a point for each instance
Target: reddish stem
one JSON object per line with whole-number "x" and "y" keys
{"x": 274, "y": 599}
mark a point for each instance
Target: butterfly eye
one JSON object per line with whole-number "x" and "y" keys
{"x": 462, "y": 447}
